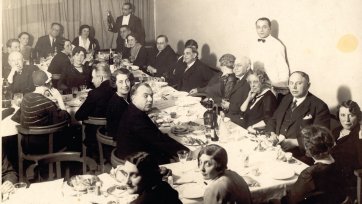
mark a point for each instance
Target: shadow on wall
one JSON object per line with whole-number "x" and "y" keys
{"x": 343, "y": 94}
{"x": 207, "y": 57}
{"x": 275, "y": 34}
{"x": 180, "y": 47}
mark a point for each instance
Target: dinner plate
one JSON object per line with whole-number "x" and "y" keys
{"x": 135, "y": 67}
{"x": 282, "y": 173}
{"x": 117, "y": 190}
{"x": 191, "y": 190}
{"x": 179, "y": 129}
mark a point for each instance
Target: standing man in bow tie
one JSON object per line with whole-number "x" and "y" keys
{"x": 133, "y": 22}
{"x": 297, "y": 110}
{"x": 268, "y": 53}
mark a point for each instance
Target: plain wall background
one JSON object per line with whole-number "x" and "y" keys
{"x": 310, "y": 30}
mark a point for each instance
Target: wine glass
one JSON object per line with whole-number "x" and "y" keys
{"x": 74, "y": 92}
{"x": 182, "y": 155}
{"x": 18, "y": 97}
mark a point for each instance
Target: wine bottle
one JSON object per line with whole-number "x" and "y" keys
{"x": 110, "y": 20}
{"x": 110, "y": 58}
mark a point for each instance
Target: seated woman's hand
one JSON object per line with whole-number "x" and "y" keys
{"x": 6, "y": 188}
{"x": 193, "y": 91}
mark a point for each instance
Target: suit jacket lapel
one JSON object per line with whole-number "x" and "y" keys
{"x": 301, "y": 110}
{"x": 284, "y": 107}
{"x": 191, "y": 70}
{"x": 238, "y": 85}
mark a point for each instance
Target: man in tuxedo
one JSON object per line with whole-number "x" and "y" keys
{"x": 239, "y": 92}
{"x": 195, "y": 74}
{"x": 268, "y": 53}
{"x": 161, "y": 58}
{"x": 297, "y": 110}
{"x": 137, "y": 132}
{"x": 124, "y": 31}
{"x": 46, "y": 44}
{"x": 132, "y": 21}
{"x": 96, "y": 103}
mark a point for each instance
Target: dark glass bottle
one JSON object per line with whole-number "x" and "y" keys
{"x": 6, "y": 94}
{"x": 210, "y": 116}
{"x": 110, "y": 58}
{"x": 110, "y": 20}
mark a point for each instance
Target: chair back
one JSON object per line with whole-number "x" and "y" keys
{"x": 60, "y": 159}
{"x": 115, "y": 161}
{"x": 41, "y": 131}
{"x": 95, "y": 121}
{"x": 358, "y": 173}
{"x": 103, "y": 139}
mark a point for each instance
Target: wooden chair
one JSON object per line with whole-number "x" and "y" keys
{"x": 41, "y": 131}
{"x": 90, "y": 121}
{"x": 358, "y": 173}
{"x": 103, "y": 139}
{"x": 115, "y": 161}
{"x": 60, "y": 158}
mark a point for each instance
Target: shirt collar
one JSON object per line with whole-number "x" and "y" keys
{"x": 329, "y": 160}
{"x": 190, "y": 65}
{"x": 300, "y": 100}
{"x": 240, "y": 78}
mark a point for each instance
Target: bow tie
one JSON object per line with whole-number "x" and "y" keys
{"x": 261, "y": 40}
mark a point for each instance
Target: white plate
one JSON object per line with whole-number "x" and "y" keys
{"x": 192, "y": 190}
{"x": 135, "y": 67}
{"x": 282, "y": 173}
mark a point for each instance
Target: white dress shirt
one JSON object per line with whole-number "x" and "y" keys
{"x": 125, "y": 20}
{"x": 271, "y": 53}
{"x": 84, "y": 45}
{"x": 189, "y": 66}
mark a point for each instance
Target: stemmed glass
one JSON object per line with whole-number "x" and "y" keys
{"x": 183, "y": 155}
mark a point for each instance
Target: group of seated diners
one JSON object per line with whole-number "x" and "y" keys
{"x": 297, "y": 120}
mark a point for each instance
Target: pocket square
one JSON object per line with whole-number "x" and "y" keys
{"x": 307, "y": 117}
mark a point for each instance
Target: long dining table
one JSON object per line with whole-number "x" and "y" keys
{"x": 252, "y": 157}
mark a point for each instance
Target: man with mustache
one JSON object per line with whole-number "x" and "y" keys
{"x": 137, "y": 132}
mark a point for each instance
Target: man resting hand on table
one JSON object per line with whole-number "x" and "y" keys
{"x": 296, "y": 111}
{"x": 137, "y": 132}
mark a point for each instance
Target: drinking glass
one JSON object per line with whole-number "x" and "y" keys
{"x": 82, "y": 87}
{"x": 182, "y": 155}
{"x": 20, "y": 187}
{"x": 75, "y": 92}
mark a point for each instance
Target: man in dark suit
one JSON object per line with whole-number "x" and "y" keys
{"x": 132, "y": 21}
{"x": 161, "y": 58}
{"x": 46, "y": 44}
{"x": 137, "y": 132}
{"x": 20, "y": 76}
{"x": 194, "y": 74}
{"x": 96, "y": 102}
{"x": 124, "y": 31}
{"x": 239, "y": 92}
{"x": 296, "y": 111}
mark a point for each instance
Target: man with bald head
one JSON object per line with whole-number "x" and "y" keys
{"x": 239, "y": 92}
{"x": 20, "y": 76}
{"x": 297, "y": 110}
{"x": 137, "y": 132}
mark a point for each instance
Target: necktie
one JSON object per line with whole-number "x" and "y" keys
{"x": 294, "y": 105}
{"x": 261, "y": 40}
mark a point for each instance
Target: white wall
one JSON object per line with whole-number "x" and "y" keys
{"x": 310, "y": 30}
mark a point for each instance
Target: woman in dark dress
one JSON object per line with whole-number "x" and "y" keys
{"x": 143, "y": 177}
{"x": 123, "y": 80}
{"x": 78, "y": 74}
{"x": 135, "y": 53}
{"x": 348, "y": 149}
{"x": 320, "y": 182}
{"x": 260, "y": 104}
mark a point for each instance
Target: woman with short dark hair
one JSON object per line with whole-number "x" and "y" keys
{"x": 348, "y": 149}
{"x": 78, "y": 74}
{"x": 86, "y": 40}
{"x": 143, "y": 177}
{"x": 136, "y": 53}
{"x": 123, "y": 80}
{"x": 319, "y": 183}
{"x": 224, "y": 186}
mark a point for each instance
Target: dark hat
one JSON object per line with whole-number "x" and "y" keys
{"x": 39, "y": 78}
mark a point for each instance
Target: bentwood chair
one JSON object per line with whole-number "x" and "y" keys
{"x": 358, "y": 173}
{"x": 115, "y": 161}
{"x": 62, "y": 159}
{"x": 90, "y": 121}
{"x": 41, "y": 131}
{"x": 103, "y": 139}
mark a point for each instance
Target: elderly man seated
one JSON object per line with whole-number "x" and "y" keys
{"x": 20, "y": 76}
{"x": 161, "y": 58}
{"x": 297, "y": 110}
{"x": 220, "y": 85}
{"x": 223, "y": 185}
{"x": 137, "y": 132}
